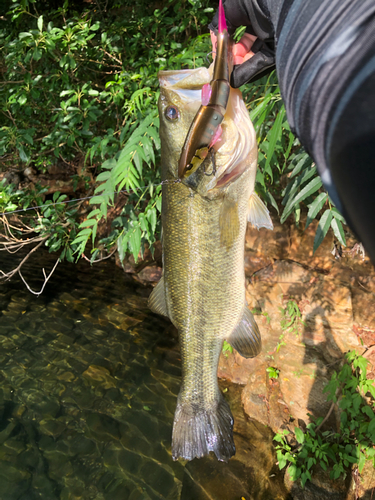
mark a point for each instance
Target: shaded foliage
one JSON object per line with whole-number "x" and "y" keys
{"x": 79, "y": 81}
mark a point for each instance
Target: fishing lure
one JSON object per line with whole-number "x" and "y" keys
{"x": 205, "y": 129}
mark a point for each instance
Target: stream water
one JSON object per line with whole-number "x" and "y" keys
{"x": 88, "y": 385}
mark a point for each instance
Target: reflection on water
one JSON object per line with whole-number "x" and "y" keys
{"x": 88, "y": 385}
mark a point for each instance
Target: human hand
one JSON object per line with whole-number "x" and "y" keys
{"x": 254, "y": 55}
{"x": 241, "y": 50}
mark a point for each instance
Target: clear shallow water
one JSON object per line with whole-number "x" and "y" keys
{"x": 88, "y": 385}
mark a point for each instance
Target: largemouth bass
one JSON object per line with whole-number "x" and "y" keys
{"x": 202, "y": 290}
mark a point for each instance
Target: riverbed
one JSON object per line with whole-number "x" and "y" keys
{"x": 88, "y": 385}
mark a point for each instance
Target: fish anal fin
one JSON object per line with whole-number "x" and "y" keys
{"x": 245, "y": 338}
{"x": 156, "y": 301}
{"x": 199, "y": 429}
{"x": 229, "y": 223}
{"x": 259, "y": 215}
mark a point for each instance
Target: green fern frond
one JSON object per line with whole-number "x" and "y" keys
{"x": 124, "y": 173}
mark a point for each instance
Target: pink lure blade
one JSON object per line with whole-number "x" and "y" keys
{"x": 216, "y": 138}
{"x": 222, "y": 21}
{"x": 206, "y": 94}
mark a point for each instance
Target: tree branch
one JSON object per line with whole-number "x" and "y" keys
{"x": 46, "y": 278}
{"x": 102, "y": 258}
{"x": 7, "y": 276}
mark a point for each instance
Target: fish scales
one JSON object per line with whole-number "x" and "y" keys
{"x": 202, "y": 289}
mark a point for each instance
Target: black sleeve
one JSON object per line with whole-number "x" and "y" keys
{"x": 325, "y": 62}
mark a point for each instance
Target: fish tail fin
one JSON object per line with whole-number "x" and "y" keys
{"x": 198, "y": 430}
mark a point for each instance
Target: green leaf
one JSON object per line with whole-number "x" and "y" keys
{"x": 96, "y": 200}
{"x": 367, "y": 410}
{"x": 103, "y": 176}
{"x": 299, "y": 435}
{"x": 362, "y": 460}
{"x": 293, "y": 472}
{"x": 28, "y": 138}
{"x": 260, "y": 108}
{"x": 338, "y": 231}
{"x": 371, "y": 427}
{"x": 301, "y": 163}
{"x": 362, "y": 363}
{"x": 308, "y": 190}
{"x": 282, "y": 462}
{"x": 315, "y": 207}
{"x": 135, "y": 242}
{"x": 22, "y": 99}
{"x": 152, "y": 217}
{"x": 88, "y": 223}
{"x": 37, "y": 54}
{"x": 40, "y": 23}
{"x": 310, "y": 462}
{"x": 337, "y": 215}
{"x": 323, "y": 226}
{"x": 274, "y": 136}
{"x": 122, "y": 245}
{"x": 23, "y": 155}
{"x": 158, "y": 203}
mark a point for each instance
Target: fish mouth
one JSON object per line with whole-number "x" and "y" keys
{"x": 190, "y": 79}
{"x": 235, "y": 152}
{"x": 187, "y": 83}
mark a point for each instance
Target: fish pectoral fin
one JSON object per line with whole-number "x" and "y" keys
{"x": 259, "y": 215}
{"x": 245, "y": 338}
{"x": 156, "y": 301}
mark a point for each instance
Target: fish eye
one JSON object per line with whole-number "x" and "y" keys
{"x": 172, "y": 113}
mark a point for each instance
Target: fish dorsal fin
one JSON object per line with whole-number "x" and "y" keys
{"x": 258, "y": 215}
{"x": 156, "y": 301}
{"x": 229, "y": 223}
{"x": 245, "y": 338}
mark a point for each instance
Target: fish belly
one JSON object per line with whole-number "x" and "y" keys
{"x": 205, "y": 295}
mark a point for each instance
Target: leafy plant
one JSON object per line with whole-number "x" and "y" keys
{"x": 86, "y": 78}
{"x": 80, "y": 85}
{"x": 273, "y": 372}
{"x": 352, "y": 445}
{"x": 227, "y": 349}
{"x": 262, "y": 313}
{"x": 291, "y": 321}
{"x": 282, "y": 158}
{"x": 291, "y": 317}
{"x": 125, "y": 172}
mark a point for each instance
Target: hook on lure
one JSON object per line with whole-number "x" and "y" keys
{"x": 205, "y": 129}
